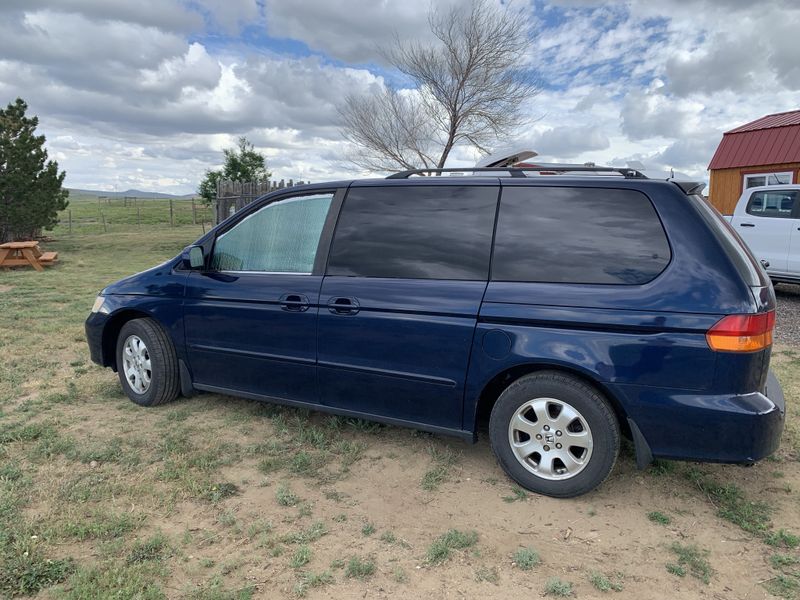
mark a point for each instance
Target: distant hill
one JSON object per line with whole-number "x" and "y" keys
{"x": 129, "y": 193}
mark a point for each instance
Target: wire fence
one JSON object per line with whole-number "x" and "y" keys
{"x": 107, "y": 214}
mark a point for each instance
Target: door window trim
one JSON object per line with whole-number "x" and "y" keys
{"x": 323, "y": 244}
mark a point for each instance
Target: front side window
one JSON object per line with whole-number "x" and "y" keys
{"x": 760, "y": 179}
{"x": 578, "y": 235}
{"x": 778, "y": 204}
{"x": 415, "y": 232}
{"x": 281, "y": 237}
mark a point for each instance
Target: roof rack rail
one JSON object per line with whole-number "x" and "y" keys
{"x": 520, "y": 171}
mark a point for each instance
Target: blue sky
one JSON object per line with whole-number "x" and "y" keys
{"x": 147, "y": 94}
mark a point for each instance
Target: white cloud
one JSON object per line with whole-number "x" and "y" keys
{"x": 568, "y": 141}
{"x": 231, "y": 15}
{"x": 171, "y": 15}
{"x": 349, "y": 30}
{"x": 148, "y": 93}
{"x": 652, "y": 113}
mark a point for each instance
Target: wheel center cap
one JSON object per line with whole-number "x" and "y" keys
{"x": 548, "y": 437}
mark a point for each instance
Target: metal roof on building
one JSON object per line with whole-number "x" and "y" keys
{"x": 773, "y": 139}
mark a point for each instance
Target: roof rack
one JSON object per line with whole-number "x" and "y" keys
{"x": 520, "y": 171}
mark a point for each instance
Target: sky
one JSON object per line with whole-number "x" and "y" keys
{"x": 147, "y": 94}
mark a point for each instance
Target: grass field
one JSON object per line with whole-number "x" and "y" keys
{"x": 219, "y": 498}
{"x": 90, "y": 215}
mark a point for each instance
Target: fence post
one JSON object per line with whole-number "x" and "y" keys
{"x": 105, "y": 229}
{"x": 69, "y": 216}
{"x": 216, "y": 207}
{"x": 194, "y": 213}
{"x": 171, "y": 220}
{"x": 138, "y": 216}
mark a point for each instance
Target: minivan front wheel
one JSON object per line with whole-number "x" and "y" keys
{"x": 554, "y": 434}
{"x": 146, "y": 363}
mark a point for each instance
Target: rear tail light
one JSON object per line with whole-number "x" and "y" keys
{"x": 742, "y": 333}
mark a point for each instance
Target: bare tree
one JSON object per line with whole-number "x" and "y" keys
{"x": 469, "y": 88}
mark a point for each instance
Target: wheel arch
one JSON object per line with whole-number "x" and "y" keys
{"x": 111, "y": 333}
{"x": 497, "y": 384}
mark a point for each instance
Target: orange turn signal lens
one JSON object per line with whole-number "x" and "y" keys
{"x": 742, "y": 333}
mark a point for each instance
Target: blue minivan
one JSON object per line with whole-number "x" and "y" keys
{"x": 569, "y": 309}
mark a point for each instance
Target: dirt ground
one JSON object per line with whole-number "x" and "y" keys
{"x": 217, "y": 498}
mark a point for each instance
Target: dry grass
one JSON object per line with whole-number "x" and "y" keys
{"x": 222, "y": 498}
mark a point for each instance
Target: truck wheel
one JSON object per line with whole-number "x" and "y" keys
{"x": 146, "y": 363}
{"x": 554, "y": 435}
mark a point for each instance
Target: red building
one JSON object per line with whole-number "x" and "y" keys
{"x": 763, "y": 152}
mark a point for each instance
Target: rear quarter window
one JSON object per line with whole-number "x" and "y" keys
{"x": 578, "y": 235}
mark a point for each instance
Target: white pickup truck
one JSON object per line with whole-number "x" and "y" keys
{"x": 768, "y": 219}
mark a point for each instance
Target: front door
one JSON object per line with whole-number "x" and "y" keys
{"x": 765, "y": 225}
{"x": 406, "y": 274}
{"x": 251, "y": 318}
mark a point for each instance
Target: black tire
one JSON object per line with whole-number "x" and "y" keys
{"x": 164, "y": 383}
{"x": 593, "y": 408}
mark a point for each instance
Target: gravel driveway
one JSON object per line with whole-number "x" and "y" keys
{"x": 787, "y": 329}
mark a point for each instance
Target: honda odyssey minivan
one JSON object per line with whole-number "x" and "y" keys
{"x": 568, "y": 309}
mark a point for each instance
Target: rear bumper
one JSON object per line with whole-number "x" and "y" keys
{"x": 774, "y": 392}
{"x": 684, "y": 425}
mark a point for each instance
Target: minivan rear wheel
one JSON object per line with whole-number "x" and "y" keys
{"x": 146, "y": 363}
{"x": 555, "y": 435}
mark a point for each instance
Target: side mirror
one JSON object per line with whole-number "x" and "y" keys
{"x": 196, "y": 258}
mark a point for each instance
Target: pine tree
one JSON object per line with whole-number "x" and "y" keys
{"x": 31, "y": 192}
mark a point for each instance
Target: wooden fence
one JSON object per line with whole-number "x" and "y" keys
{"x": 235, "y": 195}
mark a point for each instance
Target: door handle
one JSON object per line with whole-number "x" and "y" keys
{"x": 343, "y": 306}
{"x": 746, "y": 225}
{"x": 294, "y": 302}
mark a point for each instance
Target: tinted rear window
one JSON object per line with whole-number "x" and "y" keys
{"x": 578, "y": 235}
{"x": 415, "y": 232}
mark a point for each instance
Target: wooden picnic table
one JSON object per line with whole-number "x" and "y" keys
{"x": 19, "y": 254}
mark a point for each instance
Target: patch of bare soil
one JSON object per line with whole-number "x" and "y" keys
{"x": 607, "y": 531}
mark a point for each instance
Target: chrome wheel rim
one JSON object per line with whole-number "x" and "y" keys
{"x": 550, "y": 438}
{"x": 136, "y": 364}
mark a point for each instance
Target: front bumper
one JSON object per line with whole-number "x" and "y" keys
{"x": 684, "y": 425}
{"x": 94, "y": 326}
